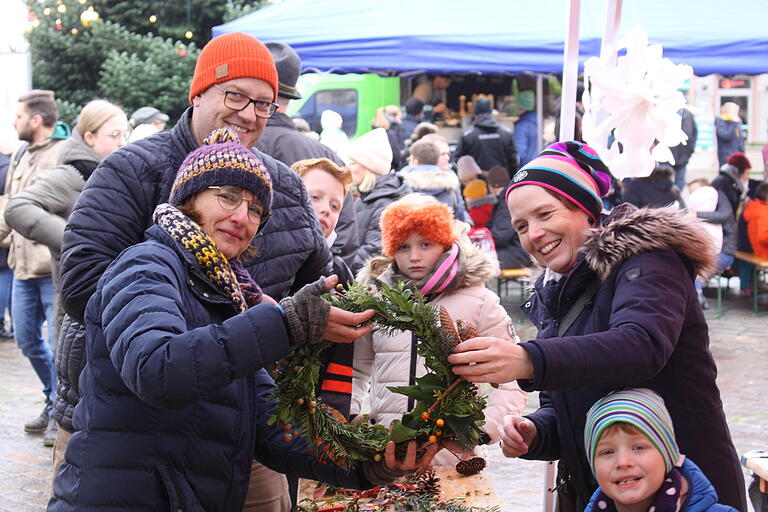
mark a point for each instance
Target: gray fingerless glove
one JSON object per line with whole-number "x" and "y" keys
{"x": 378, "y": 473}
{"x": 306, "y": 313}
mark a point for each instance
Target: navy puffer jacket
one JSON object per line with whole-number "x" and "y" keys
{"x": 175, "y": 398}
{"x": 116, "y": 207}
{"x": 643, "y": 328}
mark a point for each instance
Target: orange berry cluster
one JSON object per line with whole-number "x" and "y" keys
{"x": 438, "y": 423}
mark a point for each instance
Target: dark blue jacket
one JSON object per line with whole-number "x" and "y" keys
{"x": 175, "y": 398}
{"x": 730, "y": 139}
{"x": 116, "y": 207}
{"x": 526, "y": 134}
{"x": 643, "y": 328}
{"x": 701, "y": 495}
{"x": 508, "y": 248}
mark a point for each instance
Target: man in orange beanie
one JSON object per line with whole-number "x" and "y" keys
{"x": 235, "y": 85}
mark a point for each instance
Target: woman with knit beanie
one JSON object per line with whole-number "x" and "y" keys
{"x": 369, "y": 158}
{"x": 615, "y": 307}
{"x": 175, "y": 397}
{"x": 423, "y": 246}
{"x": 39, "y": 213}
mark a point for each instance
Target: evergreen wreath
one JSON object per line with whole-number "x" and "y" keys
{"x": 447, "y": 407}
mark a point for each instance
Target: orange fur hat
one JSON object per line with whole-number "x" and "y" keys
{"x": 416, "y": 212}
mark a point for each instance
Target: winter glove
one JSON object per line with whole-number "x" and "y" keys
{"x": 306, "y": 313}
{"x": 378, "y": 473}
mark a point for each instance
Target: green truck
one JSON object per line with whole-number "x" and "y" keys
{"x": 354, "y": 96}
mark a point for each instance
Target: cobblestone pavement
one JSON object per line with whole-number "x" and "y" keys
{"x": 739, "y": 342}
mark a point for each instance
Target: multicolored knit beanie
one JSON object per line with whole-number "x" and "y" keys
{"x": 416, "y": 212}
{"x": 221, "y": 161}
{"x": 572, "y": 170}
{"x": 642, "y": 408}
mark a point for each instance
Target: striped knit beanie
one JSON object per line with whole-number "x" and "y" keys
{"x": 221, "y": 161}
{"x": 642, "y": 408}
{"x": 572, "y": 170}
{"x": 230, "y": 56}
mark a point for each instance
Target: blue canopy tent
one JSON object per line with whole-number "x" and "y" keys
{"x": 502, "y": 36}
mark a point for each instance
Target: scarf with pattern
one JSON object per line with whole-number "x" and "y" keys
{"x": 230, "y": 277}
{"x": 449, "y": 271}
{"x": 668, "y": 498}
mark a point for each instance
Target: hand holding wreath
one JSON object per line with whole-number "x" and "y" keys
{"x": 447, "y": 408}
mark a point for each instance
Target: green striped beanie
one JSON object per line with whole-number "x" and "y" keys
{"x": 642, "y": 408}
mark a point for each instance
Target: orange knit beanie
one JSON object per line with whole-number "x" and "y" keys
{"x": 416, "y": 212}
{"x": 230, "y": 56}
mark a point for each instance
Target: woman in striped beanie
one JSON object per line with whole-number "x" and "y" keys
{"x": 631, "y": 447}
{"x": 615, "y": 307}
{"x": 424, "y": 246}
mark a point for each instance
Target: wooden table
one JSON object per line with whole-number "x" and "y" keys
{"x": 475, "y": 490}
{"x": 759, "y": 264}
{"x": 760, "y": 467}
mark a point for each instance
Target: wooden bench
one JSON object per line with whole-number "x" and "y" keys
{"x": 759, "y": 265}
{"x": 758, "y": 463}
{"x": 521, "y": 276}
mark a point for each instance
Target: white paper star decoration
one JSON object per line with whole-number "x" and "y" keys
{"x": 633, "y": 104}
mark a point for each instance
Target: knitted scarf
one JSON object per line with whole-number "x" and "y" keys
{"x": 667, "y": 499}
{"x": 230, "y": 277}
{"x": 448, "y": 271}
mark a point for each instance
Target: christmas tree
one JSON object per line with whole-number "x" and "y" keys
{"x": 134, "y": 54}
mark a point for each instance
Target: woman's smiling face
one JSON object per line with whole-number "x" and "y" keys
{"x": 550, "y": 231}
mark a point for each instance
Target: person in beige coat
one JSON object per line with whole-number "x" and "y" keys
{"x": 423, "y": 244}
{"x": 32, "y": 296}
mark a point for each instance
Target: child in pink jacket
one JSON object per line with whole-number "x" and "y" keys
{"x": 423, "y": 245}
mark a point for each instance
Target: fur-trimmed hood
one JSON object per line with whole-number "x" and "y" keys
{"x": 628, "y": 231}
{"x": 477, "y": 268}
{"x": 431, "y": 177}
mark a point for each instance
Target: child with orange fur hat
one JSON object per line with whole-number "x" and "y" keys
{"x": 425, "y": 247}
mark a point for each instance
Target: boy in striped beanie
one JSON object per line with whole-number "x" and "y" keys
{"x": 631, "y": 448}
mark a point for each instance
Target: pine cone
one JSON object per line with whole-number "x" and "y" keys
{"x": 466, "y": 330}
{"x": 470, "y": 466}
{"x": 446, "y": 322}
{"x": 425, "y": 483}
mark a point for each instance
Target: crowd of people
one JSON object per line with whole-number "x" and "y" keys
{"x": 172, "y": 267}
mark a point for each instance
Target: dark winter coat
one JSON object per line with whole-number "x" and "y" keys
{"x": 526, "y": 135}
{"x": 653, "y": 193}
{"x": 682, "y": 152}
{"x": 368, "y": 208}
{"x": 701, "y": 495}
{"x": 489, "y": 143}
{"x": 727, "y": 182}
{"x": 283, "y": 141}
{"x": 643, "y": 328}
{"x": 175, "y": 398}
{"x": 730, "y": 138}
{"x": 508, "y": 248}
{"x": 723, "y": 215}
{"x": 407, "y": 126}
{"x": 116, "y": 207}
{"x": 442, "y": 185}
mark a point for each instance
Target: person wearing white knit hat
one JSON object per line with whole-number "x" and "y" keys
{"x": 369, "y": 158}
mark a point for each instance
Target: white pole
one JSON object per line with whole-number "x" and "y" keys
{"x": 570, "y": 73}
{"x": 612, "y": 24}
{"x": 539, "y": 111}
